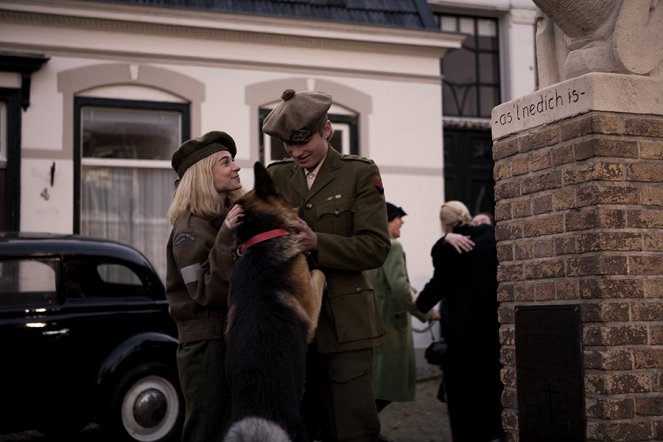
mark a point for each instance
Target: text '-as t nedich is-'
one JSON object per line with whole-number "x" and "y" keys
{"x": 542, "y": 104}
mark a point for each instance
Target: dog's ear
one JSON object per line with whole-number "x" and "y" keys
{"x": 264, "y": 185}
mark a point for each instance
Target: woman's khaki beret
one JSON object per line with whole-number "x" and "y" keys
{"x": 195, "y": 149}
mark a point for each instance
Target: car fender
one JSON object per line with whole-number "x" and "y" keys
{"x": 160, "y": 345}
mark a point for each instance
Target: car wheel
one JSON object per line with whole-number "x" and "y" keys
{"x": 145, "y": 405}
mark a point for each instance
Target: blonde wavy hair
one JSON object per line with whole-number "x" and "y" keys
{"x": 454, "y": 213}
{"x": 195, "y": 193}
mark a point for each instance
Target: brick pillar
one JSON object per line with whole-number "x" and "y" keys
{"x": 579, "y": 210}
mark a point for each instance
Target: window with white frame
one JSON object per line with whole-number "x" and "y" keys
{"x": 344, "y": 137}
{"x": 125, "y": 181}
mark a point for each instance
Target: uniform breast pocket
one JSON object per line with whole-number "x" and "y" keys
{"x": 335, "y": 217}
{"x": 355, "y": 316}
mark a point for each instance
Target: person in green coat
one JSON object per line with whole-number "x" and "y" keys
{"x": 394, "y": 368}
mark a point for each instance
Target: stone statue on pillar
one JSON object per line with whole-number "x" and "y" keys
{"x": 576, "y": 37}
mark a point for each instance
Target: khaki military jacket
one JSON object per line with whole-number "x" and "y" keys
{"x": 199, "y": 260}
{"x": 346, "y": 208}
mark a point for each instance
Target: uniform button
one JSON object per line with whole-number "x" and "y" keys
{"x": 358, "y": 289}
{"x": 309, "y": 206}
{"x": 336, "y": 212}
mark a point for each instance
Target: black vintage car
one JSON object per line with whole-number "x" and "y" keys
{"x": 85, "y": 337}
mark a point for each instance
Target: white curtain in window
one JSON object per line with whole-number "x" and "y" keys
{"x": 129, "y": 205}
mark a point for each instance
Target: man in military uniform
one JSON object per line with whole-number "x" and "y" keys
{"x": 344, "y": 228}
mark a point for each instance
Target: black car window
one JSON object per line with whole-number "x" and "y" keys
{"x": 118, "y": 274}
{"x": 28, "y": 282}
{"x": 90, "y": 279}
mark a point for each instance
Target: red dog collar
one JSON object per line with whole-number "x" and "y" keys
{"x": 260, "y": 238}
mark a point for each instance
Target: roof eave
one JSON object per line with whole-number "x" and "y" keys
{"x": 241, "y": 23}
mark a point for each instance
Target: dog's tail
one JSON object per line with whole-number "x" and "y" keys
{"x": 256, "y": 429}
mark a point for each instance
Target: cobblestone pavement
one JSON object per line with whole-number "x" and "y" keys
{"x": 423, "y": 420}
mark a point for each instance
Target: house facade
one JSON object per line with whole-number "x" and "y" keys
{"x": 96, "y": 95}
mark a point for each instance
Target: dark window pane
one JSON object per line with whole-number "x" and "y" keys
{"x": 488, "y": 68}
{"x": 277, "y": 150}
{"x": 487, "y": 34}
{"x": 337, "y": 140}
{"x": 487, "y": 43}
{"x": 460, "y": 100}
{"x": 459, "y": 67}
{"x": 489, "y": 99}
{"x": 466, "y": 26}
{"x": 468, "y": 169}
{"x": 449, "y": 101}
{"x": 475, "y": 64}
{"x": 469, "y": 108}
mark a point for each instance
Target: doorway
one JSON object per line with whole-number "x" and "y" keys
{"x": 468, "y": 169}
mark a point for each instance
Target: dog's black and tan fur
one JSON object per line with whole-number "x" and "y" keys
{"x": 274, "y": 303}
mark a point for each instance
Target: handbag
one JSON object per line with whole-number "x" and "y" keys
{"x": 436, "y": 351}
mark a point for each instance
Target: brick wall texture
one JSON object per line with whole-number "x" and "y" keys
{"x": 579, "y": 211}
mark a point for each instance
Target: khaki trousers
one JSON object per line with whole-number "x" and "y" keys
{"x": 338, "y": 403}
{"x": 202, "y": 375}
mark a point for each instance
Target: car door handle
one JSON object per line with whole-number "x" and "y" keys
{"x": 61, "y": 332}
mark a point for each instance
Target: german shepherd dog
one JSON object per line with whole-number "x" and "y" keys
{"x": 274, "y": 303}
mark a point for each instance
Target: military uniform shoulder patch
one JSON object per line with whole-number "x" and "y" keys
{"x": 378, "y": 185}
{"x": 356, "y": 157}
{"x": 183, "y": 237}
{"x": 281, "y": 162}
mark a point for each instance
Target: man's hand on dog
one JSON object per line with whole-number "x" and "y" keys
{"x": 306, "y": 237}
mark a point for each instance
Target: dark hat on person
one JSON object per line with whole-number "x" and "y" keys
{"x": 298, "y": 116}
{"x": 195, "y": 149}
{"x": 394, "y": 211}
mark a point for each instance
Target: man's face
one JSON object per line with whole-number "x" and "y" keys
{"x": 311, "y": 153}
{"x": 394, "y": 227}
{"x": 481, "y": 219}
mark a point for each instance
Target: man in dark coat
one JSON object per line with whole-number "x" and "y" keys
{"x": 344, "y": 228}
{"x": 468, "y": 283}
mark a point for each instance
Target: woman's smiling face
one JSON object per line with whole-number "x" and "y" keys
{"x": 225, "y": 172}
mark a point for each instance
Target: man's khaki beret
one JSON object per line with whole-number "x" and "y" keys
{"x": 195, "y": 149}
{"x": 298, "y": 116}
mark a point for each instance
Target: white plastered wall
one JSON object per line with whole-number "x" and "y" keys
{"x": 401, "y": 132}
